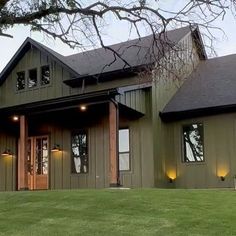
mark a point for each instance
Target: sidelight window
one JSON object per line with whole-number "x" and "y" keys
{"x": 124, "y": 150}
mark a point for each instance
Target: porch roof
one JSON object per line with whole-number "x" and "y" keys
{"x": 61, "y": 103}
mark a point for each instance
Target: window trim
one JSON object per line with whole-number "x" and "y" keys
{"x": 25, "y": 78}
{"x": 37, "y": 82}
{"x": 183, "y": 150}
{"x": 80, "y": 131}
{"x": 50, "y": 80}
{"x": 129, "y": 152}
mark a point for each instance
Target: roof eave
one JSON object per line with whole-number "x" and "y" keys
{"x": 199, "y": 43}
{"x": 27, "y": 44}
{"x": 172, "y": 116}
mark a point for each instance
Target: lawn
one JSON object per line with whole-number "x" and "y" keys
{"x": 119, "y": 212}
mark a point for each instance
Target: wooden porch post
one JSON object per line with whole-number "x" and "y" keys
{"x": 113, "y": 144}
{"x": 22, "y": 158}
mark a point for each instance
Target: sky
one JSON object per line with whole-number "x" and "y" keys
{"x": 223, "y": 44}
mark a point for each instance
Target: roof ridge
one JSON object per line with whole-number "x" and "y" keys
{"x": 127, "y": 41}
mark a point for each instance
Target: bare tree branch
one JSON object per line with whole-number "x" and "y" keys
{"x": 77, "y": 21}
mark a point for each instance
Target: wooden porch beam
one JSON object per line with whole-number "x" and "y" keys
{"x": 22, "y": 157}
{"x": 113, "y": 144}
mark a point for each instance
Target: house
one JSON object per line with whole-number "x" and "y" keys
{"x": 95, "y": 120}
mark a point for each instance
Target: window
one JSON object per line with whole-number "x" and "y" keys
{"x": 79, "y": 151}
{"x": 45, "y": 75}
{"x": 124, "y": 155}
{"x": 20, "y": 81}
{"x": 32, "y": 80}
{"x": 193, "y": 143}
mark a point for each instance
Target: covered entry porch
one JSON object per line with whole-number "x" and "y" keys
{"x": 63, "y": 145}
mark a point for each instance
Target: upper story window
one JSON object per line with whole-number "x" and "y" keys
{"x": 193, "y": 143}
{"x": 20, "y": 81}
{"x": 32, "y": 79}
{"x": 79, "y": 151}
{"x": 124, "y": 152}
{"x": 45, "y": 75}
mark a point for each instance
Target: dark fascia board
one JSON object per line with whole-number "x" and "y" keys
{"x": 129, "y": 88}
{"x": 130, "y": 113}
{"x": 199, "y": 43}
{"x": 107, "y": 76}
{"x": 188, "y": 114}
{"x": 60, "y": 103}
{"x": 27, "y": 44}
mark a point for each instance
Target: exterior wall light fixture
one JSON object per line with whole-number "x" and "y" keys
{"x": 15, "y": 118}
{"x": 222, "y": 178}
{"x": 7, "y": 152}
{"x": 83, "y": 108}
{"x": 56, "y": 148}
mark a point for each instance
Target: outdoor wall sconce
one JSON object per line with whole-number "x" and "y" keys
{"x": 171, "y": 175}
{"x": 7, "y": 152}
{"x": 222, "y": 178}
{"x": 56, "y": 148}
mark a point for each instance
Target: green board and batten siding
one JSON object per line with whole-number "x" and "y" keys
{"x": 57, "y": 89}
{"x": 60, "y": 177}
{"x": 166, "y": 83}
{"x": 8, "y": 164}
{"x": 219, "y": 153}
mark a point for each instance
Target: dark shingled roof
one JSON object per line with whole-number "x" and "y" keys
{"x": 209, "y": 89}
{"x": 136, "y": 52}
{"x": 88, "y": 64}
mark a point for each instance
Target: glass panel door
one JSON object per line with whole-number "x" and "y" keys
{"x": 38, "y": 162}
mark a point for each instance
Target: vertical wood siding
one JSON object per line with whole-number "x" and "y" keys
{"x": 134, "y": 99}
{"x": 35, "y": 59}
{"x": 219, "y": 154}
{"x": 8, "y": 163}
{"x": 141, "y": 149}
{"x": 60, "y": 176}
{"x": 177, "y": 66}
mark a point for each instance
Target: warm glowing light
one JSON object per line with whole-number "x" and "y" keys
{"x": 15, "y": 118}
{"x": 83, "y": 108}
{"x": 7, "y": 152}
{"x": 171, "y": 174}
{"x": 56, "y": 148}
{"x": 222, "y": 172}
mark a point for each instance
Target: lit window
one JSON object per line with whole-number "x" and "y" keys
{"x": 124, "y": 152}
{"x": 79, "y": 151}
{"x": 45, "y": 75}
{"x": 193, "y": 143}
{"x": 20, "y": 81}
{"x": 32, "y": 80}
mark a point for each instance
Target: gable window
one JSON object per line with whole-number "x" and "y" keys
{"x": 124, "y": 150}
{"x": 20, "y": 81}
{"x": 45, "y": 75}
{"x": 32, "y": 80}
{"x": 79, "y": 151}
{"x": 193, "y": 143}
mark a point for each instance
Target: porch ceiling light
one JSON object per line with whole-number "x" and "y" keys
{"x": 7, "y": 152}
{"x": 56, "y": 148}
{"x": 83, "y": 108}
{"x": 15, "y": 118}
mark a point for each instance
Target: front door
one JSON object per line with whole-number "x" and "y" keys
{"x": 38, "y": 162}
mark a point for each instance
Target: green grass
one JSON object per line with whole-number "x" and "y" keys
{"x": 119, "y": 212}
